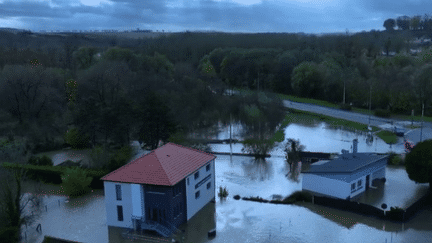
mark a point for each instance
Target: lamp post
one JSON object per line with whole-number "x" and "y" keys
{"x": 421, "y": 130}
{"x": 370, "y": 102}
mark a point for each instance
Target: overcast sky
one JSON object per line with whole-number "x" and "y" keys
{"x": 308, "y": 16}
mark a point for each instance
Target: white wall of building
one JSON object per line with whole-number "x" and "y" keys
{"x": 358, "y": 189}
{"x": 369, "y": 170}
{"x": 111, "y": 203}
{"x": 326, "y": 186}
{"x": 206, "y": 195}
{"x": 378, "y": 174}
{"x": 137, "y": 200}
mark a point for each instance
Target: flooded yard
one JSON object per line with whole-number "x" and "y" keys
{"x": 84, "y": 219}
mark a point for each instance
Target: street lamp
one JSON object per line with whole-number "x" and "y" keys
{"x": 421, "y": 130}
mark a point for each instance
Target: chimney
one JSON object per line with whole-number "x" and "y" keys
{"x": 355, "y": 142}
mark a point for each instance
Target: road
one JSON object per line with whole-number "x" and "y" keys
{"x": 384, "y": 123}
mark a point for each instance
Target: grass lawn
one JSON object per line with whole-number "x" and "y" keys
{"x": 387, "y": 136}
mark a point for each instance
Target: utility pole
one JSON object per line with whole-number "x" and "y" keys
{"x": 344, "y": 93}
{"x": 230, "y": 137}
{"x": 421, "y": 130}
{"x": 370, "y": 102}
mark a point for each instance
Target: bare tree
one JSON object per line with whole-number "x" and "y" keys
{"x": 292, "y": 152}
{"x": 13, "y": 202}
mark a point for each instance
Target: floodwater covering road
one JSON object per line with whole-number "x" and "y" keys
{"x": 412, "y": 135}
{"x": 84, "y": 219}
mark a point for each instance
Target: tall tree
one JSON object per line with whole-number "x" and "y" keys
{"x": 403, "y": 23}
{"x": 157, "y": 124}
{"x": 292, "y": 152}
{"x": 306, "y": 80}
{"x": 12, "y": 200}
{"x": 389, "y": 24}
{"x": 418, "y": 163}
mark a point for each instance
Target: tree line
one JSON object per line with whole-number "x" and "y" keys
{"x": 416, "y": 22}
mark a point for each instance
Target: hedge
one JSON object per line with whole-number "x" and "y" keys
{"x": 52, "y": 174}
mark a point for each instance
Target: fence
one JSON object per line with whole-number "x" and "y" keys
{"x": 34, "y": 229}
{"x": 415, "y": 207}
{"x": 356, "y": 207}
{"x": 348, "y": 205}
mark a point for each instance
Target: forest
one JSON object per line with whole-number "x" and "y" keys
{"x": 110, "y": 90}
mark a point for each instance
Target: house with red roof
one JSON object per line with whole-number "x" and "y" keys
{"x": 161, "y": 190}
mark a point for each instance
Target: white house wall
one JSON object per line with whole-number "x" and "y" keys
{"x": 111, "y": 204}
{"x": 378, "y": 174}
{"x": 358, "y": 189}
{"x": 137, "y": 200}
{"x": 326, "y": 186}
{"x": 206, "y": 195}
{"x": 370, "y": 170}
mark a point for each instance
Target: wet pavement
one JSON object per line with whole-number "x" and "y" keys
{"x": 84, "y": 219}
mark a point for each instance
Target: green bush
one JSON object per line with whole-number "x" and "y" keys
{"x": 99, "y": 156}
{"x": 75, "y": 182}
{"x": 298, "y": 196}
{"x": 345, "y": 107}
{"x": 44, "y": 160}
{"x": 394, "y": 159}
{"x": 222, "y": 192}
{"x": 9, "y": 234}
{"x": 75, "y": 139}
{"x": 120, "y": 158}
{"x": 382, "y": 113}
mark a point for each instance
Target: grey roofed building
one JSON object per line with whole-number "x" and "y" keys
{"x": 345, "y": 163}
{"x": 346, "y": 176}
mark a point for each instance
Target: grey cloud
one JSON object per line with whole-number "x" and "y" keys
{"x": 172, "y": 15}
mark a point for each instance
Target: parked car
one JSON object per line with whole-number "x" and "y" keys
{"x": 399, "y": 131}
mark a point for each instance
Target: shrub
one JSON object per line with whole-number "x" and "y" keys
{"x": 382, "y": 113}
{"x": 298, "y": 196}
{"x": 75, "y": 139}
{"x": 256, "y": 199}
{"x": 223, "y": 192}
{"x": 75, "y": 182}
{"x": 345, "y": 107}
{"x": 99, "y": 156}
{"x": 236, "y": 197}
{"x": 394, "y": 159}
{"x": 10, "y": 234}
{"x": 120, "y": 158}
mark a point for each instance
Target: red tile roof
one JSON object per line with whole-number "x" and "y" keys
{"x": 166, "y": 165}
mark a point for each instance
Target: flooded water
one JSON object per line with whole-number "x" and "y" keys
{"x": 84, "y": 219}
{"x": 63, "y": 155}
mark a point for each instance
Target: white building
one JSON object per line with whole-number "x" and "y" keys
{"x": 345, "y": 177}
{"x": 161, "y": 190}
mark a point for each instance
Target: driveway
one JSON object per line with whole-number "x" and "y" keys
{"x": 384, "y": 123}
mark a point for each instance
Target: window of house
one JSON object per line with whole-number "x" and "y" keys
{"x": 188, "y": 181}
{"x": 208, "y": 185}
{"x": 197, "y": 194}
{"x": 196, "y": 175}
{"x": 208, "y": 167}
{"x": 119, "y": 213}
{"x": 352, "y": 186}
{"x": 359, "y": 183}
{"x": 118, "y": 192}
